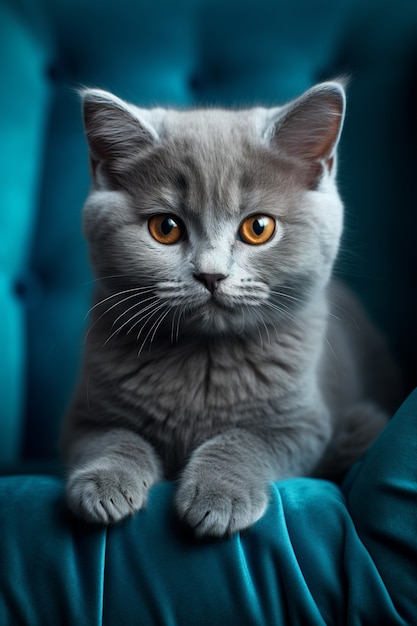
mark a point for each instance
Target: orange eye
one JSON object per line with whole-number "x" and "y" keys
{"x": 166, "y": 229}
{"x": 257, "y": 229}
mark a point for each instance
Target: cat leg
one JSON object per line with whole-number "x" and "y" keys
{"x": 224, "y": 488}
{"x": 359, "y": 427}
{"x": 110, "y": 475}
{"x": 219, "y": 493}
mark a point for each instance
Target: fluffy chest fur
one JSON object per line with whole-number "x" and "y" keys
{"x": 182, "y": 394}
{"x": 203, "y": 379}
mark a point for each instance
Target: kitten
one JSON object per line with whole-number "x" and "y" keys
{"x": 219, "y": 352}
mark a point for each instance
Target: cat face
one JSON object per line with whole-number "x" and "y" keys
{"x": 222, "y": 220}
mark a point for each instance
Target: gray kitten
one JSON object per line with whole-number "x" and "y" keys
{"x": 219, "y": 351}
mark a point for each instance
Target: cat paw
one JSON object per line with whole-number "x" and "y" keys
{"x": 218, "y": 506}
{"x": 105, "y": 495}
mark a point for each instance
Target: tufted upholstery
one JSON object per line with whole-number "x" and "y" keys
{"x": 181, "y": 53}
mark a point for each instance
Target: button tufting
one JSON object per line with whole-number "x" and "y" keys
{"x": 20, "y": 288}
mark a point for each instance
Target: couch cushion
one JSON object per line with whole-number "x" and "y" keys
{"x": 318, "y": 556}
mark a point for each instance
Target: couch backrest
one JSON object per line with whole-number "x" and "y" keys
{"x": 227, "y": 52}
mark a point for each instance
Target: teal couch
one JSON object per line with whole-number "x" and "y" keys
{"x": 322, "y": 554}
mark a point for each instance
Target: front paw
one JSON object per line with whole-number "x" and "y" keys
{"x": 105, "y": 495}
{"x": 215, "y": 504}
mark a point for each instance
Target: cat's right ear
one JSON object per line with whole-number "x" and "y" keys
{"x": 114, "y": 129}
{"x": 308, "y": 129}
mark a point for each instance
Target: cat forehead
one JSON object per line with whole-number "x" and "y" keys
{"x": 213, "y": 158}
{"x": 209, "y": 123}
{"x": 214, "y": 145}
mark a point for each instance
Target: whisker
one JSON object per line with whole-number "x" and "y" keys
{"x": 133, "y": 307}
{"x": 253, "y": 309}
{"x": 178, "y": 311}
{"x": 182, "y": 309}
{"x": 330, "y": 302}
{"x": 148, "y": 311}
{"x": 259, "y": 316}
{"x": 97, "y": 279}
{"x": 284, "y": 311}
{"x": 132, "y": 295}
{"x": 345, "y": 313}
{"x": 282, "y": 294}
{"x": 172, "y": 324}
{"x": 147, "y": 319}
{"x": 290, "y": 288}
{"x": 334, "y": 355}
{"x": 137, "y": 290}
{"x": 155, "y": 324}
{"x": 120, "y": 328}
{"x": 271, "y": 323}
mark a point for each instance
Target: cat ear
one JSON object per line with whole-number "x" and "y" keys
{"x": 113, "y": 128}
{"x": 308, "y": 129}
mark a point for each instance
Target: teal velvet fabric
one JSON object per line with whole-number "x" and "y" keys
{"x": 320, "y": 556}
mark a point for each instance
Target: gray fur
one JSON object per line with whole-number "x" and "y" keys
{"x": 276, "y": 373}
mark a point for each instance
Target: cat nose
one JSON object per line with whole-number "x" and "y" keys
{"x": 210, "y": 281}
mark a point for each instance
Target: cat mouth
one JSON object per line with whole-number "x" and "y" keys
{"x": 217, "y": 302}
{"x": 212, "y": 308}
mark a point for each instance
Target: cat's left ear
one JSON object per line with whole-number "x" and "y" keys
{"x": 308, "y": 129}
{"x": 114, "y": 129}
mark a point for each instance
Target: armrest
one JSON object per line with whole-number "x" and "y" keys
{"x": 318, "y": 556}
